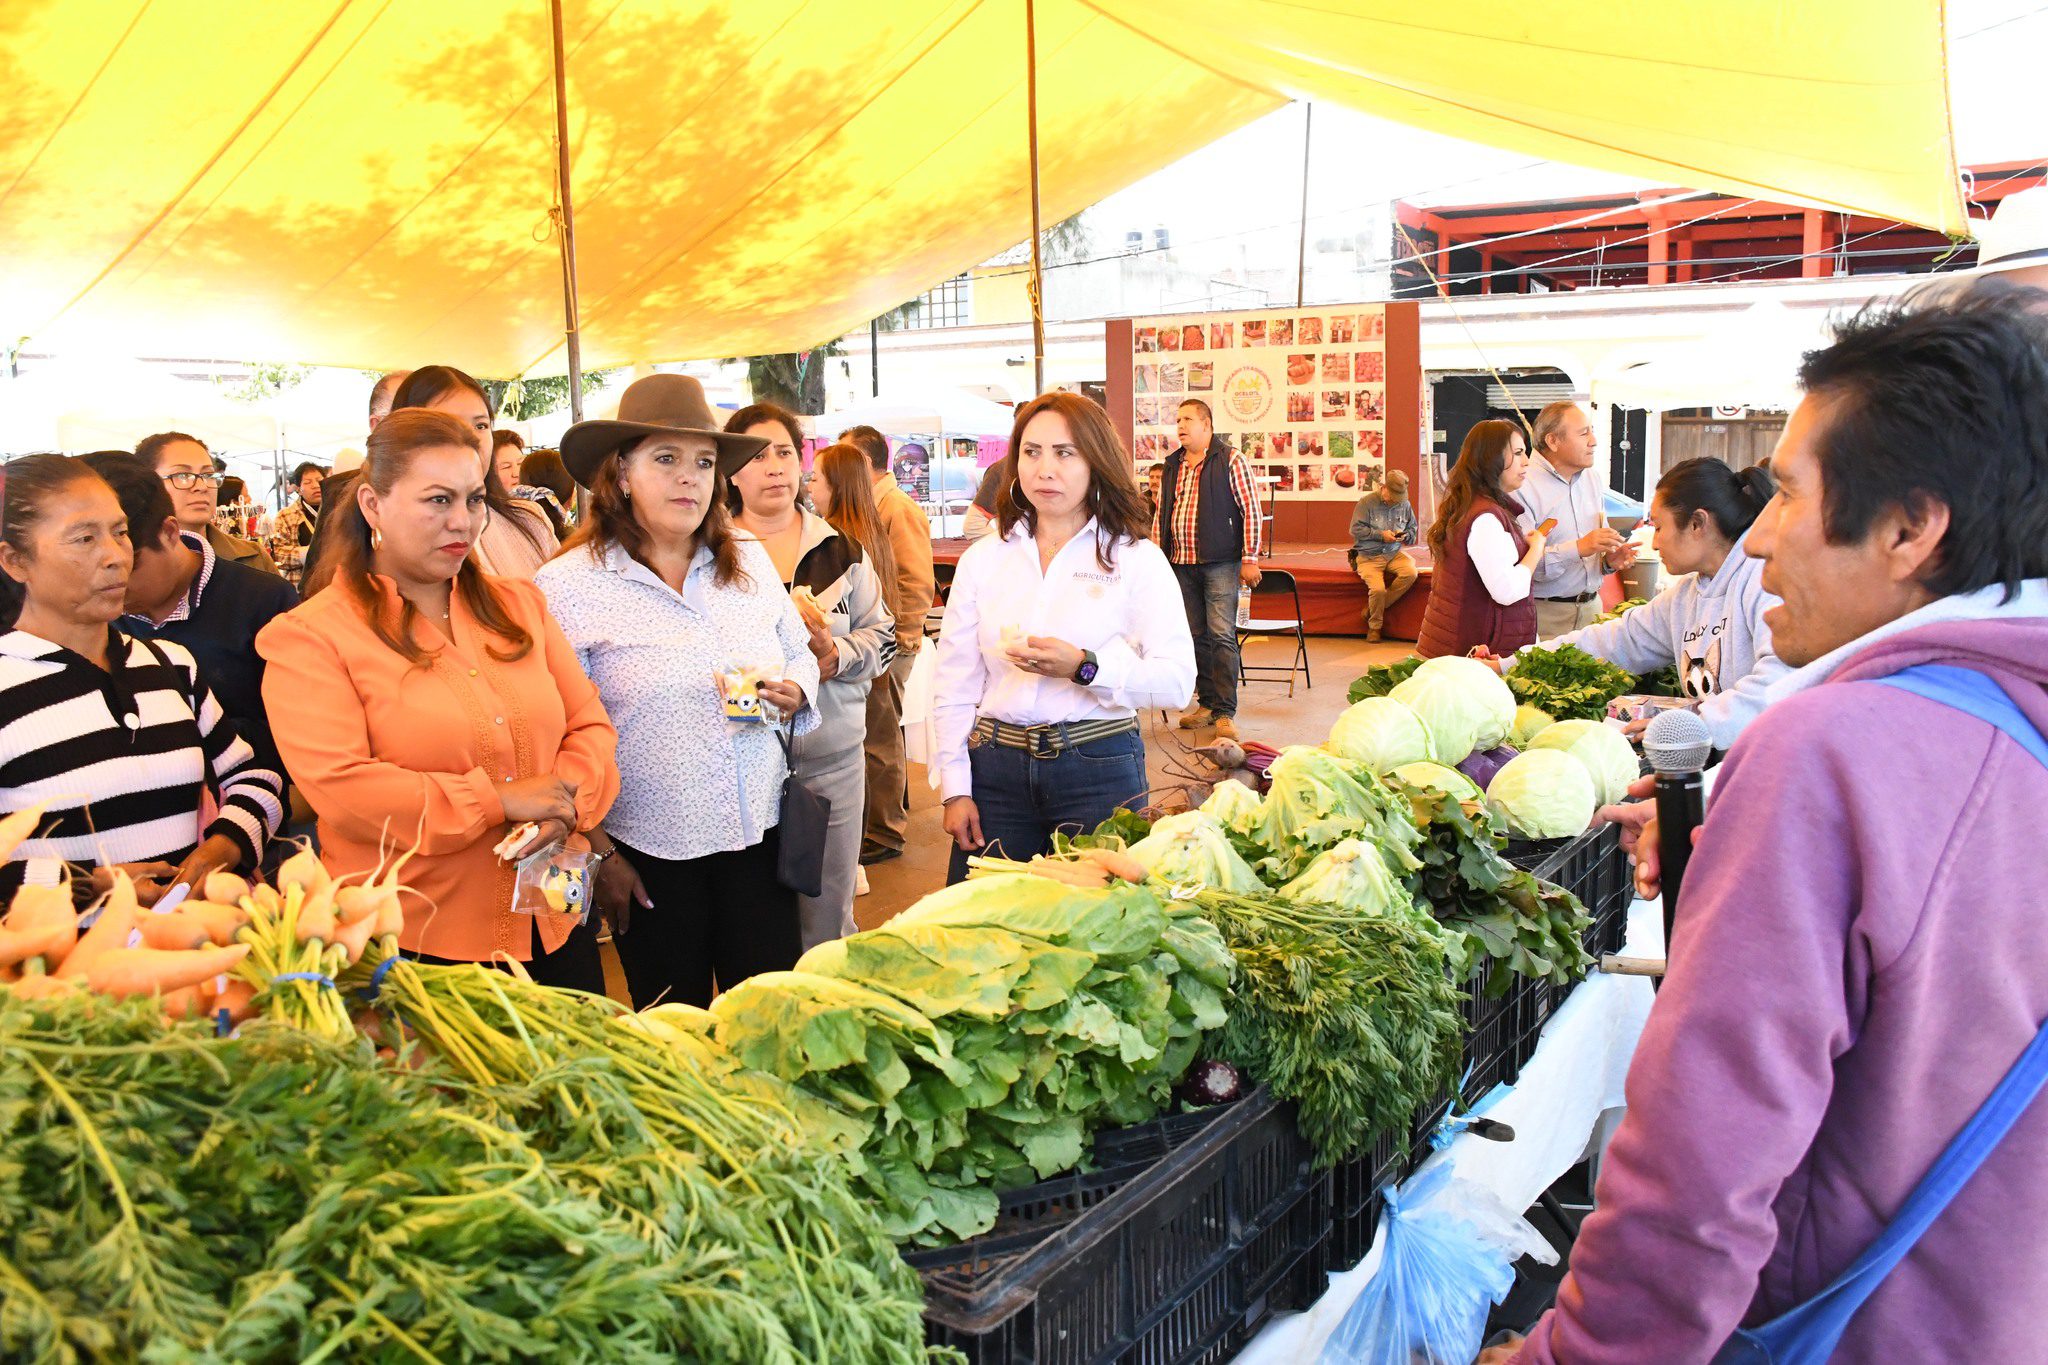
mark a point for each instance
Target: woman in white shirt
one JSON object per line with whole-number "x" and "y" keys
{"x": 659, "y": 596}
{"x": 1482, "y": 566}
{"x": 1059, "y": 629}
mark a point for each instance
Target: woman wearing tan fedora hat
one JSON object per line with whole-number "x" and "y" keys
{"x": 684, "y": 626}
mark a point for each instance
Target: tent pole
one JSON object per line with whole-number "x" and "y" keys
{"x": 1308, "y": 113}
{"x": 568, "y": 209}
{"x": 1037, "y": 263}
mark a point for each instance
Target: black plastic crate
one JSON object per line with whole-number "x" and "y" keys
{"x": 1355, "y": 1196}
{"x": 1188, "y": 1255}
{"x": 1493, "y": 1029}
{"x": 1594, "y": 868}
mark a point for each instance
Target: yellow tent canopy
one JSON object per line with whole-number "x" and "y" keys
{"x": 370, "y": 182}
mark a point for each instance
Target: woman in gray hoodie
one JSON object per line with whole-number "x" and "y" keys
{"x": 830, "y": 565}
{"x": 1709, "y": 623}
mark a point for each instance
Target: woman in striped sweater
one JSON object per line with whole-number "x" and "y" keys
{"x": 120, "y": 739}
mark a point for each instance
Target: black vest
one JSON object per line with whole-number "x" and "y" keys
{"x": 1219, "y": 521}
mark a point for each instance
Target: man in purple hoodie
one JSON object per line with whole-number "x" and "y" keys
{"x": 1860, "y": 954}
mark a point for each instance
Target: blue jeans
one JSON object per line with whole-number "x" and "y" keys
{"x": 1022, "y": 800}
{"x": 1209, "y": 591}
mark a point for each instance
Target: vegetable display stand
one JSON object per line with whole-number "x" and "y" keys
{"x": 1175, "y": 1263}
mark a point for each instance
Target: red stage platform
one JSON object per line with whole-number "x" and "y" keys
{"x": 1332, "y": 596}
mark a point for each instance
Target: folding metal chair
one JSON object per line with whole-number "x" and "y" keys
{"x": 1272, "y": 584}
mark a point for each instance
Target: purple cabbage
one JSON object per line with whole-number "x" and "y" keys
{"x": 1481, "y": 764}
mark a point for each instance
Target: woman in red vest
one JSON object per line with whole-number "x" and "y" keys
{"x": 1479, "y": 592}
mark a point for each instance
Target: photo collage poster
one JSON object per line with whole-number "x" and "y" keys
{"x": 1300, "y": 393}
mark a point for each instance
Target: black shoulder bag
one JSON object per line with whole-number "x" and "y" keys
{"x": 806, "y": 818}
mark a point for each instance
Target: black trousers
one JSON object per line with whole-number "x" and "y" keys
{"x": 575, "y": 966}
{"x": 716, "y": 920}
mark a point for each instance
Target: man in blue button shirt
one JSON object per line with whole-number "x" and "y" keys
{"x": 1382, "y": 529}
{"x": 1563, "y": 486}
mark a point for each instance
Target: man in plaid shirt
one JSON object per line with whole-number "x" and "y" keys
{"x": 1208, "y": 524}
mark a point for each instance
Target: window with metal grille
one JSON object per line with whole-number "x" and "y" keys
{"x": 946, "y": 305}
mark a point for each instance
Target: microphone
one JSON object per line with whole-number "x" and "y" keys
{"x": 1677, "y": 745}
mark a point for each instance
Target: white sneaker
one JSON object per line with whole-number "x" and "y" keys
{"x": 860, "y": 880}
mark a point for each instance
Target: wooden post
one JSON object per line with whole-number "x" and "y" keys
{"x": 1037, "y": 281}
{"x": 1308, "y": 114}
{"x": 571, "y": 328}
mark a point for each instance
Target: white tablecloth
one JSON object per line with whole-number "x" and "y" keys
{"x": 1554, "y": 1107}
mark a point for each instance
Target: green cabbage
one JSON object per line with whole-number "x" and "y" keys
{"x": 1448, "y": 780}
{"x": 1234, "y": 804}
{"x": 1192, "y": 847}
{"x": 1543, "y": 794}
{"x": 1609, "y": 758}
{"x": 1381, "y": 733}
{"x": 1317, "y": 800}
{"x": 1530, "y": 721}
{"x": 1353, "y": 875}
{"x": 1463, "y": 703}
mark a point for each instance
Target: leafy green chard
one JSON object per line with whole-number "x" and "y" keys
{"x": 1567, "y": 683}
{"x": 983, "y": 1034}
{"x": 1512, "y": 923}
{"x": 1379, "y": 681}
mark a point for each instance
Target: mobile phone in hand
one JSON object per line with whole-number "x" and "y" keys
{"x": 1549, "y": 524}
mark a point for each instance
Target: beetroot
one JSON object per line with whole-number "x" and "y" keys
{"x": 1211, "y": 1082}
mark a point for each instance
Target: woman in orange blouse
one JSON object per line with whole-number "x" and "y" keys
{"x": 422, "y": 701}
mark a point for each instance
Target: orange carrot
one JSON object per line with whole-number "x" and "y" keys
{"x": 304, "y": 870}
{"x": 34, "y": 902}
{"x": 1117, "y": 864}
{"x": 224, "y": 888}
{"x": 316, "y": 921}
{"x": 151, "y": 971}
{"x": 16, "y": 828}
{"x": 173, "y": 929}
{"x": 47, "y": 940}
{"x": 188, "y": 1002}
{"x": 41, "y": 987}
{"x": 109, "y": 931}
{"x": 49, "y": 908}
{"x": 354, "y": 935}
{"x": 352, "y": 903}
{"x": 238, "y": 998}
{"x": 222, "y": 922}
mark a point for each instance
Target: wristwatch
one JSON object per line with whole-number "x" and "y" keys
{"x": 1085, "y": 674}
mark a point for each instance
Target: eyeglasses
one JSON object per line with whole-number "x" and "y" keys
{"x": 185, "y": 480}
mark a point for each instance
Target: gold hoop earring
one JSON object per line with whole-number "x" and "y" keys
{"x": 376, "y": 539}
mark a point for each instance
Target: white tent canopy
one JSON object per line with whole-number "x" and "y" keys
{"x": 1752, "y": 361}
{"x": 914, "y": 411}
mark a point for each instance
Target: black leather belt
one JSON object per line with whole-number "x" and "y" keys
{"x": 1045, "y": 741}
{"x": 1580, "y": 600}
